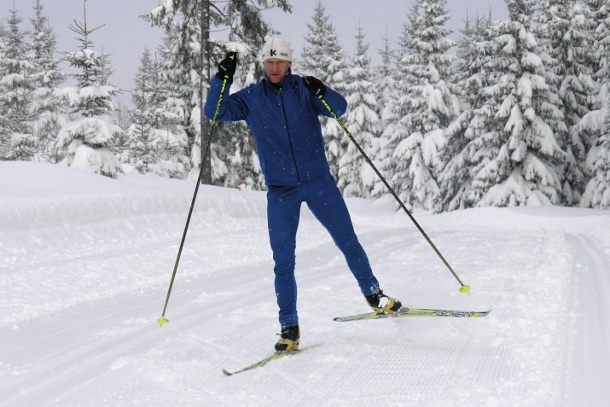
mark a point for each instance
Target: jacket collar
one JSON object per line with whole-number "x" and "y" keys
{"x": 285, "y": 83}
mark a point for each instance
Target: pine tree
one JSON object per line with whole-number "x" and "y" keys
{"x": 597, "y": 192}
{"x": 598, "y": 14}
{"x": 49, "y": 113}
{"x": 16, "y": 93}
{"x": 194, "y": 55}
{"x": 563, "y": 32}
{"x": 459, "y": 153}
{"x": 156, "y": 143}
{"x": 89, "y": 137}
{"x": 5, "y": 132}
{"x": 362, "y": 122}
{"x": 426, "y": 110}
{"x": 519, "y": 156}
{"x": 324, "y": 58}
{"x": 387, "y": 93}
{"x": 394, "y": 110}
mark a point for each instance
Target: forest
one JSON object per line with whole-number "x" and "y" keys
{"x": 514, "y": 112}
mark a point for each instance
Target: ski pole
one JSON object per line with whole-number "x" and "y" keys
{"x": 162, "y": 321}
{"x": 464, "y": 288}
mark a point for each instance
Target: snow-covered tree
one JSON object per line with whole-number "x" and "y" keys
{"x": 324, "y": 58}
{"x": 455, "y": 179}
{"x": 90, "y": 135}
{"x": 16, "y": 93}
{"x": 4, "y": 130}
{"x": 193, "y": 56}
{"x": 386, "y": 90}
{"x": 428, "y": 107}
{"x": 564, "y": 29}
{"x": 592, "y": 130}
{"x": 393, "y": 133}
{"x": 518, "y": 154}
{"x": 597, "y": 192}
{"x": 156, "y": 143}
{"x": 48, "y": 112}
{"x": 386, "y": 93}
{"x": 598, "y": 15}
{"x": 355, "y": 175}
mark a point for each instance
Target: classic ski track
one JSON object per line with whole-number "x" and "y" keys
{"x": 82, "y": 364}
{"x": 113, "y": 251}
{"x": 383, "y": 250}
{"x": 68, "y": 331}
{"x": 58, "y": 379}
{"x": 592, "y": 342}
{"x": 67, "y": 375}
{"x": 101, "y": 355}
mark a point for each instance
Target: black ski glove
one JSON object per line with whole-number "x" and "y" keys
{"x": 314, "y": 85}
{"x": 226, "y": 67}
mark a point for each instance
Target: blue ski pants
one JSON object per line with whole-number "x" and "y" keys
{"x": 326, "y": 203}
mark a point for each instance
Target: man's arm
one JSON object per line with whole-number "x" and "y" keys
{"x": 233, "y": 107}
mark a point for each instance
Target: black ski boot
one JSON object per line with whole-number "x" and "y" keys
{"x": 381, "y": 303}
{"x": 289, "y": 340}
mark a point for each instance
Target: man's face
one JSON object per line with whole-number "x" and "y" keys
{"x": 276, "y": 69}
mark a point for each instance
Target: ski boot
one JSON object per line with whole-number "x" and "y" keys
{"x": 381, "y": 303}
{"x": 289, "y": 340}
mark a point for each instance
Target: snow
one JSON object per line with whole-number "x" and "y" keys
{"x": 85, "y": 263}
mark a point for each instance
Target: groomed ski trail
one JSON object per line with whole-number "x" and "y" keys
{"x": 592, "y": 315}
{"x": 82, "y": 299}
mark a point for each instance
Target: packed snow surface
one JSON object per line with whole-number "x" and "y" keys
{"x": 86, "y": 261}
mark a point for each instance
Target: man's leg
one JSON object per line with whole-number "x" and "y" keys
{"x": 283, "y": 210}
{"x": 326, "y": 203}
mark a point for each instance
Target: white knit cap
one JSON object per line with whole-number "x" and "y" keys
{"x": 276, "y": 47}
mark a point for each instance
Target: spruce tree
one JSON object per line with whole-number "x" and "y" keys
{"x": 519, "y": 157}
{"x": 156, "y": 143}
{"x": 428, "y": 107}
{"x": 597, "y": 192}
{"x": 362, "y": 122}
{"x": 387, "y": 93}
{"x": 16, "y": 93}
{"x": 471, "y": 77}
{"x": 564, "y": 32}
{"x": 4, "y": 129}
{"x": 48, "y": 111}
{"x": 324, "y": 58}
{"x": 88, "y": 138}
{"x": 140, "y": 152}
{"x": 598, "y": 14}
{"x": 394, "y": 109}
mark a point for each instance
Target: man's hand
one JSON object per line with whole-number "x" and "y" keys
{"x": 314, "y": 85}
{"x": 226, "y": 67}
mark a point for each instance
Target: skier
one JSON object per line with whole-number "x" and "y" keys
{"x": 282, "y": 110}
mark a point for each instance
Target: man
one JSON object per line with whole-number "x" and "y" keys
{"x": 282, "y": 111}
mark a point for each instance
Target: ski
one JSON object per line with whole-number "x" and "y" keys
{"x": 415, "y": 312}
{"x": 263, "y": 362}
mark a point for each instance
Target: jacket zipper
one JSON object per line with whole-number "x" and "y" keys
{"x": 290, "y": 138}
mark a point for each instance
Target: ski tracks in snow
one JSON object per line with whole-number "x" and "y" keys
{"x": 109, "y": 352}
{"x": 590, "y": 361}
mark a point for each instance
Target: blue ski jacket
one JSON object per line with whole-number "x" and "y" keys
{"x": 285, "y": 124}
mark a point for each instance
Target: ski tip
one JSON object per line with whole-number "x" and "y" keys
{"x": 465, "y": 289}
{"x": 162, "y": 321}
{"x": 227, "y": 373}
